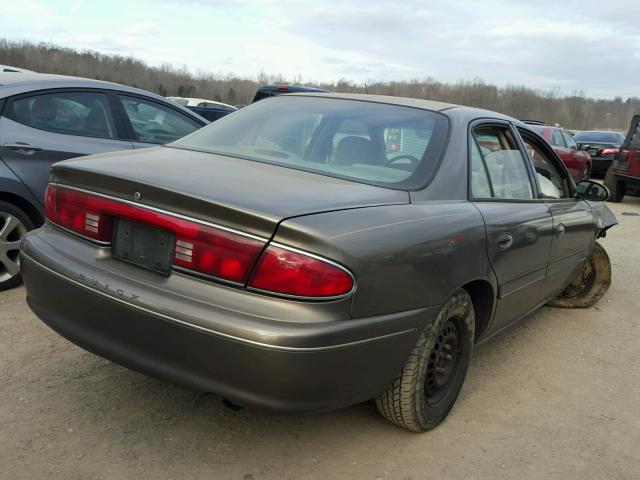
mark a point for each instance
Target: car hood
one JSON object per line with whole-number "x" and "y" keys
{"x": 237, "y": 193}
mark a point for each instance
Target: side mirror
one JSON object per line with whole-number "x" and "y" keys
{"x": 584, "y": 146}
{"x": 592, "y": 191}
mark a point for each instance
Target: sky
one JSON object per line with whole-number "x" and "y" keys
{"x": 586, "y": 46}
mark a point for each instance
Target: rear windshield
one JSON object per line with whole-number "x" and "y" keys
{"x": 387, "y": 145}
{"x": 606, "y": 137}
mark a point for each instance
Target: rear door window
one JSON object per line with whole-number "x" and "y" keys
{"x": 153, "y": 122}
{"x": 70, "y": 113}
{"x": 556, "y": 138}
{"x": 632, "y": 141}
{"x": 504, "y": 162}
{"x": 480, "y": 185}
{"x": 571, "y": 143}
{"x": 553, "y": 184}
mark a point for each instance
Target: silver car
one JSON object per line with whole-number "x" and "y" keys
{"x": 48, "y": 118}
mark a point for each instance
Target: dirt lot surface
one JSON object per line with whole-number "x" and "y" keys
{"x": 557, "y": 396}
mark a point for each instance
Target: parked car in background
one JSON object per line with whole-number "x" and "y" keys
{"x": 318, "y": 250}
{"x": 577, "y": 161}
{"x": 10, "y": 69}
{"x": 266, "y": 91}
{"x": 47, "y": 118}
{"x": 624, "y": 174}
{"x": 199, "y": 102}
{"x": 208, "y": 109}
{"x": 212, "y": 113}
{"x": 601, "y": 146}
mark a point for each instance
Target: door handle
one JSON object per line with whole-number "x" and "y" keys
{"x": 23, "y": 148}
{"x": 505, "y": 241}
{"x": 560, "y": 230}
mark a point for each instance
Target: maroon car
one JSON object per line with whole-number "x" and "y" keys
{"x": 624, "y": 175}
{"x": 577, "y": 161}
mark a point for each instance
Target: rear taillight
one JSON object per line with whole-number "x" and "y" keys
{"x": 78, "y": 212}
{"x": 204, "y": 249}
{"x": 289, "y": 272}
{"x": 216, "y": 252}
{"x": 609, "y": 151}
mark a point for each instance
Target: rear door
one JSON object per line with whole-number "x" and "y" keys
{"x": 150, "y": 123}
{"x": 573, "y": 223}
{"x": 518, "y": 223}
{"x": 44, "y": 127}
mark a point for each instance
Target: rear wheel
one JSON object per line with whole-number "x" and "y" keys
{"x": 615, "y": 186}
{"x": 422, "y": 395}
{"x": 591, "y": 283}
{"x": 14, "y": 224}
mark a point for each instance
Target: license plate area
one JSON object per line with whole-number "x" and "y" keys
{"x": 144, "y": 246}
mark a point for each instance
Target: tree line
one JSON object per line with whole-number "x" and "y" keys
{"x": 574, "y": 111}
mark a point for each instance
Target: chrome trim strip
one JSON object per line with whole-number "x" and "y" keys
{"x": 214, "y": 332}
{"x": 165, "y": 212}
{"x": 187, "y": 272}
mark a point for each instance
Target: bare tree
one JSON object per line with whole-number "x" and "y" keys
{"x": 574, "y": 111}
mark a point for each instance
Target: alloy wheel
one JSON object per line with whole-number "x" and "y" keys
{"x": 11, "y": 232}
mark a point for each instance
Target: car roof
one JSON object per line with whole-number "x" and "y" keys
{"x": 600, "y": 131}
{"x": 288, "y": 88}
{"x": 194, "y": 102}
{"x": 18, "y": 83}
{"x": 14, "y": 83}
{"x": 9, "y": 68}
{"x": 450, "y": 109}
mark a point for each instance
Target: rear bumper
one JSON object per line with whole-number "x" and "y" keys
{"x": 303, "y": 366}
{"x": 600, "y": 164}
{"x": 629, "y": 180}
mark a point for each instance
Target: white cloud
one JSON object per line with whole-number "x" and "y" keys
{"x": 574, "y": 45}
{"x": 76, "y": 6}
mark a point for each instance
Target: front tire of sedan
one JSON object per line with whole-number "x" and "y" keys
{"x": 592, "y": 282}
{"x": 424, "y": 392}
{"x": 14, "y": 224}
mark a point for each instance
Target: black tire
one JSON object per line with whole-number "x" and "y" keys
{"x": 14, "y": 224}
{"x": 615, "y": 186}
{"x": 591, "y": 283}
{"x": 422, "y": 395}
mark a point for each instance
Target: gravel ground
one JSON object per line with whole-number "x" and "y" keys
{"x": 557, "y": 396}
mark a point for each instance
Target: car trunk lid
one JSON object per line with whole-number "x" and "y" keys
{"x": 241, "y": 194}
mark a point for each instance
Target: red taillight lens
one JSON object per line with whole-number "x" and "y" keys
{"x": 217, "y": 253}
{"x": 293, "y": 273}
{"x": 78, "y": 212}
{"x": 609, "y": 151}
{"x": 201, "y": 248}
